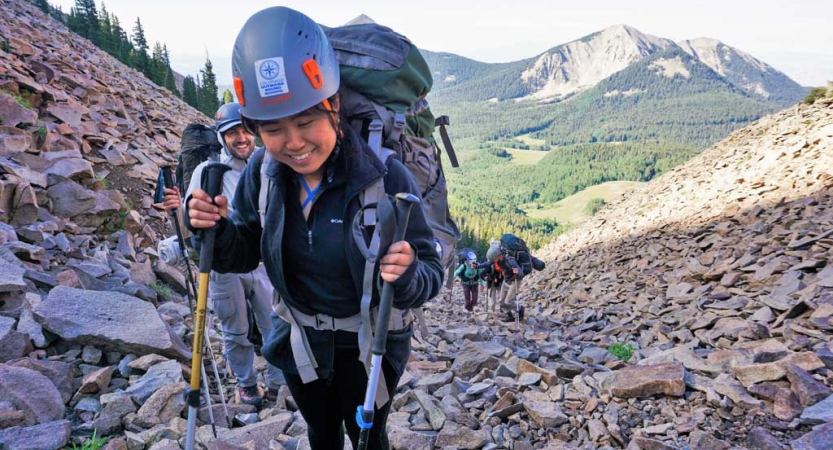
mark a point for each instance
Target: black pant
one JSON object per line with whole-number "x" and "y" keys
{"x": 327, "y": 405}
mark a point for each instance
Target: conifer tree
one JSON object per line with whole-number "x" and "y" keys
{"x": 189, "y": 91}
{"x": 43, "y": 5}
{"x": 108, "y": 40}
{"x": 140, "y": 49}
{"x": 157, "y": 66}
{"x": 124, "y": 47}
{"x": 227, "y": 97}
{"x": 170, "y": 79}
{"x": 208, "y": 93}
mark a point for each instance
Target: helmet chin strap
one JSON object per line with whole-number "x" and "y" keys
{"x": 334, "y": 121}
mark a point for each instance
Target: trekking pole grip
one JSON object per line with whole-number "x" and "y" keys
{"x": 167, "y": 177}
{"x": 402, "y": 210}
{"x": 212, "y": 184}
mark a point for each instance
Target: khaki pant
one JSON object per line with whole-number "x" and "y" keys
{"x": 508, "y": 294}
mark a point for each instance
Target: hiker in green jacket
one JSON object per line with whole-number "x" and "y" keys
{"x": 469, "y": 276}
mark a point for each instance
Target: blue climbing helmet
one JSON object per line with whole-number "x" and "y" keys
{"x": 282, "y": 64}
{"x": 471, "y": 257}
{"x": 227, "y": 117}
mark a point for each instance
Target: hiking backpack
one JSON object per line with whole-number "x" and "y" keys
{"x": 199, "y": 142}
{"x": 515, "y": 246}
{"x": 384, "y": 81}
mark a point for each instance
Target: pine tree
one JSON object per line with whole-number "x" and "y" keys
{"x": 124, "y": 47}
{"x": 228, "y": 97}
{"x": 88, "y": 16}
{"x": 140, "y": 49}
{"x": 43, "y": 5}
{"x": 108, "y": 40}
{"x": 208, "y": 93}
{"x": 189, "y": 91}
{"x": 157, "y": 65}
{"x": 170, "y": 79}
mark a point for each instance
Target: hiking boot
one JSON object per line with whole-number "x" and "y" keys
{"x": 271, "y": 395}
{"x": 249, "y": 395}
{"x": 510, "y": 317}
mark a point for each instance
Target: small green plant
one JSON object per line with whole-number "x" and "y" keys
{"x": 621, "y": 351}
{"x": 162, "y": 290}
{"x": 103, "y": 180}
{"x": 815, "y": 94}
{"x": 7, "y": 47}
{"x": 41, "y": 131}
{"x": 19, "y": 98}
{"x": 594, "y": 205}
{"x": 93, "y": 443}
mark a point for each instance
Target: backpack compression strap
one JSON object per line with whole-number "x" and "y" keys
{"x": 265, "y": 188}
{"x": 370, "y": 199}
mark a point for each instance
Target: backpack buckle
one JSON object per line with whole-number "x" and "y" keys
{"x": 324, "y": 322}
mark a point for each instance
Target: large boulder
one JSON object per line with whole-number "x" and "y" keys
{"x": 32, "y": 393}
{"x": 108, "y": 320}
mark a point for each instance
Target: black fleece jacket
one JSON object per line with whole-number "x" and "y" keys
{"x": 241, "y": 242}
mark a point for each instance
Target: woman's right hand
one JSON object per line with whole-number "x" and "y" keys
{"x": 204, "y": 214}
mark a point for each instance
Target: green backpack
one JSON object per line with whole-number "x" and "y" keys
{"x": 384, "y": 81}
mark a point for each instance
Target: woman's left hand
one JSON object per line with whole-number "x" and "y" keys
{"x": 399, "y": 257}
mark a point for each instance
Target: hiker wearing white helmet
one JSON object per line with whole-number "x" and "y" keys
{"x": 317, "y": 168}
{"x": 469, "y": 275}
{"x": 493, "y": 277}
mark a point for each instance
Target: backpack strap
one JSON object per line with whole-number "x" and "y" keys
{"x": 449, "y": 149}
{"x": 265, "y": 188}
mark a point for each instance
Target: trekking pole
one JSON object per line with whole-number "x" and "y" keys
{"x": 364, "y": 413}
{"x": 168, "y": 181}
{"x": 517, "y": 306}
{"x": 212, "y": 181}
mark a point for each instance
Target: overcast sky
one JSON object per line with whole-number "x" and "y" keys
{"x": 795, "y": 37}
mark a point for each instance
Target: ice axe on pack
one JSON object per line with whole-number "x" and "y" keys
{"x": 365, "y": 412}
{"x": 211, "y": 183}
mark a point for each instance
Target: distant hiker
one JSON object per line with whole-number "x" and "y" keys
{"x": 234, "y": 295}
{"x": 469, "y": 275}
{"x": 318, "y": 171}
{"x": 515, "y": 261}
{"x": 493, "y": 276}
{"x": 512, "y": 275}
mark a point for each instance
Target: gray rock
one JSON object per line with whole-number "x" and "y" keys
{"x": 818, "y": 413}
{"x": 59, "y": 373}
{"x": 12, "y": 343}
{"x": 108, "y": 320}
{"x": 161, "y": 375}
{"x": 46, "y": 436}
{"x": 260, "y": 433}
{"x": 32, "y": 393}
{"x": 471, "y": 359}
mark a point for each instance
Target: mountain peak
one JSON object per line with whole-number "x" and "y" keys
{"x": 360, "y": 20}
{"x": 743, "y": 70}
{"x": 580, "y": 64}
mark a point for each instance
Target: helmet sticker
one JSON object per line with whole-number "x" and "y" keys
{"x": 271, "y": 77}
